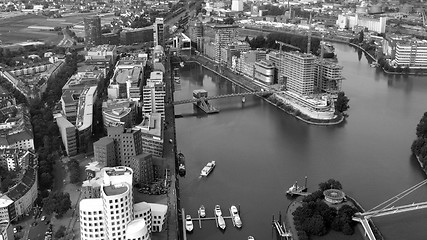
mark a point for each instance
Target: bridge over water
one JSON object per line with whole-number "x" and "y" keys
{"x": 384, "y": 209}
{"x": 194, "y": 100}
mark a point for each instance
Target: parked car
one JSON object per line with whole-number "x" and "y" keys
{"x": 43, "y": 218}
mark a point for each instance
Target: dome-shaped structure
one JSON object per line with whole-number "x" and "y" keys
{"x": 334, "y": 196}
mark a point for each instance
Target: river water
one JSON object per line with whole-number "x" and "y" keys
{"x": 260, "y": 151}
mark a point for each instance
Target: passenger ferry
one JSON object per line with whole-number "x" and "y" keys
{"x": 207, "y": 169}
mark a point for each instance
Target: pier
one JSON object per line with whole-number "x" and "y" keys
{"x": 280, "y": 227}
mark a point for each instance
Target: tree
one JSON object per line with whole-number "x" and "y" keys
{"x": 61, "y": 232}
{"x": 58, "y": 203}
{"x": 361, "y": 36}
{"x": 417, "y": 145}
{"x": 422, "y": 127}
{"x": 341, "y": 104}
{"x": 331, "y": 183}
{"x": 229, "y": 21}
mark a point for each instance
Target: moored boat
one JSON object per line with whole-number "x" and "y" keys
{"x": 207, "y": 169}
{"x": 202, "y": 212}
{"x": 221, "y": 222}
{"x": 188, "y": 223}
{"x": 251, "y": 238}
{"x": 235, "y": 216}
{"x": 218, "y": 211}
{"x": 181, "y": 164}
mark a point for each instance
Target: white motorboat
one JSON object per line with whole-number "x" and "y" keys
{"x": 202, "y": 212}
{"x": 188, "y": 223}
{"x": 221, "y": 222}
{"x": 218, "y": 211}
{"x": 235, "y": 216}
{"x": 251, "y": 238}
{"x": 207, "y": 169}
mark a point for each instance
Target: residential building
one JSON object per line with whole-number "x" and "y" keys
{"x": 224, "y": 35}
{"x": 196, "y": 31}
{"x": 15, "y": 127}
{"x": 20, "y": 197}
{"x": 104, "y": 152}
{"x": 15, "y": 159}
{"x": 151, "y": 129}
{"x": 92, "y": 31}
{"x": 300, "y": 71}
{"x": 159, "y": 33}
{"x": 68, "y": 135}
{"x": 233, "y": 49}
{"x": 264, "y": 72}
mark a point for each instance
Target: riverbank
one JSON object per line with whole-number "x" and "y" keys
{"x": 247, "y": 84}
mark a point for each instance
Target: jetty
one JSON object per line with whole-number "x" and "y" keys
{"x": 280, "y": 227}
{"x": 214, "y": 218}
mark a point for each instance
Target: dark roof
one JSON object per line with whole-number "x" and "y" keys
{"x": 11, "y": 139}
{"x": 17, "y": 192}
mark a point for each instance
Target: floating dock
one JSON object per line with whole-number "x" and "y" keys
{"x": 200, "y": 219}
{"x": 280, "y": 227}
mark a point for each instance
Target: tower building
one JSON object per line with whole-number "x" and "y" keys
{"x": 237, "y": 5}
{"x": 159, "y": 38}
{"x": 93, "y": 31}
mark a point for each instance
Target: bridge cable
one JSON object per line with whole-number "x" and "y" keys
{"x": 396, "y": 198}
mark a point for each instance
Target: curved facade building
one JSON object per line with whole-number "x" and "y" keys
{"x": 118, "y": 209}
{"x": 143, "y": 210}
{"x": 137, "y": 230}
{"x": 264, "y": 72}
{"x": 91, "y": 219}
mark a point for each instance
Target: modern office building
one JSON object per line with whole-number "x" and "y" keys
{"x": 104, "y": 152}
{"x": 84, "y": 118}
{"x": 248, "y": 60}
{"x": 68, "y": 135}
{"x": 411, "y": 53}
{"x": 151, "y": 129}
{"x": 159, "y": 32}
{"x": 153, "y": 94}
{"x": 264, "y": 72}
{"x": 114, "y": 215}
{"x": 277, "y": 59}
{"x": 233, "y": 49}
{"x": 102, "y": 52}
{"x": 300, "y": 70}
{"x": 121, "y": 111}
{"x": 127, "y": 141}
{"x": 142, "y": 166}
{"x": 93, "y": 31}
{"x": 196, "y": 31}
{"x": 128, "y": 75}
{"x": 224, "y": 35}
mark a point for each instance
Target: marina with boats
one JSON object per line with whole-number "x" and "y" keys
{"x": 218, "y": 217}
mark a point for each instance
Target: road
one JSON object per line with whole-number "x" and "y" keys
{"x": 37, "y": 232}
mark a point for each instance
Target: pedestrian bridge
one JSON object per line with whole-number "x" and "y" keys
{"x": 193, "y": 100}
{"x": 384, "y": 209}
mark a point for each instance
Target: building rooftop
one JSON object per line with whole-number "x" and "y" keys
{"x": 104, "y": 47}
{"x": 91, "y": 204}
{"x": 85, "y": 109}
{"x": 135, "y": 226}
{"x": 82, "y": 79}
{"x": 116, "y": 171}
{"x": 151, "y": 125}
{"x": 158, "y": 208}
{"x": 141, "y": 206}
{"x": 116, "y": 189}
{"x": 104, "y": 141}
{"x": 64, "y": 122}
{"x": 133, "y": 74}
{"x": 5, "y": 201}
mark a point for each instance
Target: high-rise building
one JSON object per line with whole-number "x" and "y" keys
{"x": 329, "y": 77}
{"x": 151, "y": 129}
{"x": 237, "y": 5}
{"x": 159, "y": 33}
{"x": 68, "y": 135}
{"x": 224, "y": 35}
{"x": 142, "y": 166}
{"x": 264, "y": 72}
{"x": 300, "y": 70}
{"x": 196, "y": 30}
{"x": 93, "y": 31}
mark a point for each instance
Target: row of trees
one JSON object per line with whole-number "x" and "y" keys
{"x": 419, "y": 146}
{"x": 315, "y": 217}
{"x": 299, "y": 41}
{"x": 58, "y": 203}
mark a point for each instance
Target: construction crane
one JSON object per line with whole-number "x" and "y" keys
{"x": 309, "y": 35}
{"x": 320, "y": 72}
{"x": 286, "y": 45}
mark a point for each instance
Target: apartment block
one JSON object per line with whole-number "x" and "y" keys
{"x": 104, "y": 152}
{"x": 300, "y": 70}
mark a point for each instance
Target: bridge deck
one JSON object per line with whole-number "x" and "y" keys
{"x": 193, "y": 100}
